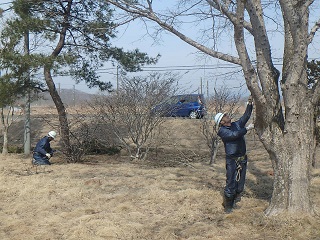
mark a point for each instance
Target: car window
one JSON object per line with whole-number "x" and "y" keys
{"x": 182, "y": 99}
{"x": 192, "y": 98}
{"x": 173, "y": 100}
{"x": 185, "y": 99}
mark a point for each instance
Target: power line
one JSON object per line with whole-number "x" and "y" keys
{"x": 277, "y": 62}
{"x": 180, "y": 68}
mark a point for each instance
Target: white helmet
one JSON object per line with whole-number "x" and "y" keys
{"x": 52, "y": 134}
{"x": 218, "y": 118}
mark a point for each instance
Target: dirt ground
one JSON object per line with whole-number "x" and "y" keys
{"x": 172, "y": 195}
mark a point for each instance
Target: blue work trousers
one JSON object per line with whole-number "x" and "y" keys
{"x": 233, "y": 185}
{"x": 40, "y": 159}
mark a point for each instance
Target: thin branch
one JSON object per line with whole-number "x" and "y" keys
{"x": 153, "y": 16}
{"x": 230, "y": 15}
{"x": 313, "y": 31}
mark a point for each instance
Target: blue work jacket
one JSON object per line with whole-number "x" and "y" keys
{"x": 43, "y": 146}
{"x": 233, "y": 136}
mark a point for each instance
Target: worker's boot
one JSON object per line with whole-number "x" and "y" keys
{"x": 228, "y": 203}
{"x": 237, "y": 198}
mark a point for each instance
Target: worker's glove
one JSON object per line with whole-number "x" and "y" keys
{"x": 250, "y": 126}
{"x": 48, "y": 155}
{"x": 250, "y": 100}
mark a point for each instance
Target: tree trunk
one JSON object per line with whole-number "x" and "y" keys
{"x": 289, "y": 141}
{"x": 5, "y": 120}
{"x": 5, "y": 140}
{"x": 65, "y": 132}
{"x": 214, "y": 150}
{"x": 291, "y": 158}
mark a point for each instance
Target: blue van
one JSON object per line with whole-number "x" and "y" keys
{"x": 184, "y": 105}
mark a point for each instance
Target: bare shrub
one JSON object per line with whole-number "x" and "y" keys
{"x": 129, "y": 110}
{"x": 88, "y": 135}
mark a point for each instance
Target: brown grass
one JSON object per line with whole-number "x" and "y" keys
{"x": 173, "y": 195}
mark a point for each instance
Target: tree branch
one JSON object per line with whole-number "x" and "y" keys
{"x": 230, "y": 15}
{"x": 313, "y": 31}
{"x": 249, "y": 70}
{"x": 266, "y": 70}
{"x": 146, "y": 13}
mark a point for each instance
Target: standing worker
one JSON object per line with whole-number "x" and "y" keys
{"x": 232, "y": 135}
{"x": 43, "y": 151}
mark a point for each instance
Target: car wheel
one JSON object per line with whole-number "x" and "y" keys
{"x": 193, "y": 115}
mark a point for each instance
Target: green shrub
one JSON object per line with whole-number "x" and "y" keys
{"x": 94, "y": 147}
{"x": 13, "y": 149}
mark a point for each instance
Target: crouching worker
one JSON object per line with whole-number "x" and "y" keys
{"x": 232, "y": 135}
{"x": 43, "y": 151}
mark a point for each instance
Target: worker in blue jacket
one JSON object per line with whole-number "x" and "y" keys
{"x": 232, "y": 135}
{"x": 43, "y": 151}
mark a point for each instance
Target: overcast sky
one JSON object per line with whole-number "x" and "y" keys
{"x": 176, "y": 56}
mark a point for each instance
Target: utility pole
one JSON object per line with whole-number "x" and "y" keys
{"x": 27, "y": 130}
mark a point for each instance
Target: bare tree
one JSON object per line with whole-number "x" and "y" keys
{"x": 8, "y": 117}
{"x": 129, "y": 111}
{"x": 287, "y": 135}
{"x": 11, "y": 90}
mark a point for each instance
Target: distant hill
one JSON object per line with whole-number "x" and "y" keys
{"x": 69, "y": 97}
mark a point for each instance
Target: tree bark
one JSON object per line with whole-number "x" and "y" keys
{"x": 5, "y": 140}
{"x": 291, "y": 157}
{"x": 214, "y": 150}
{"x": 6, "y": 122}
{"x": 63, "y": 120}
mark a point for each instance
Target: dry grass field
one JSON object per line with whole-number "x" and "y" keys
{"x": 175, "y": 194}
